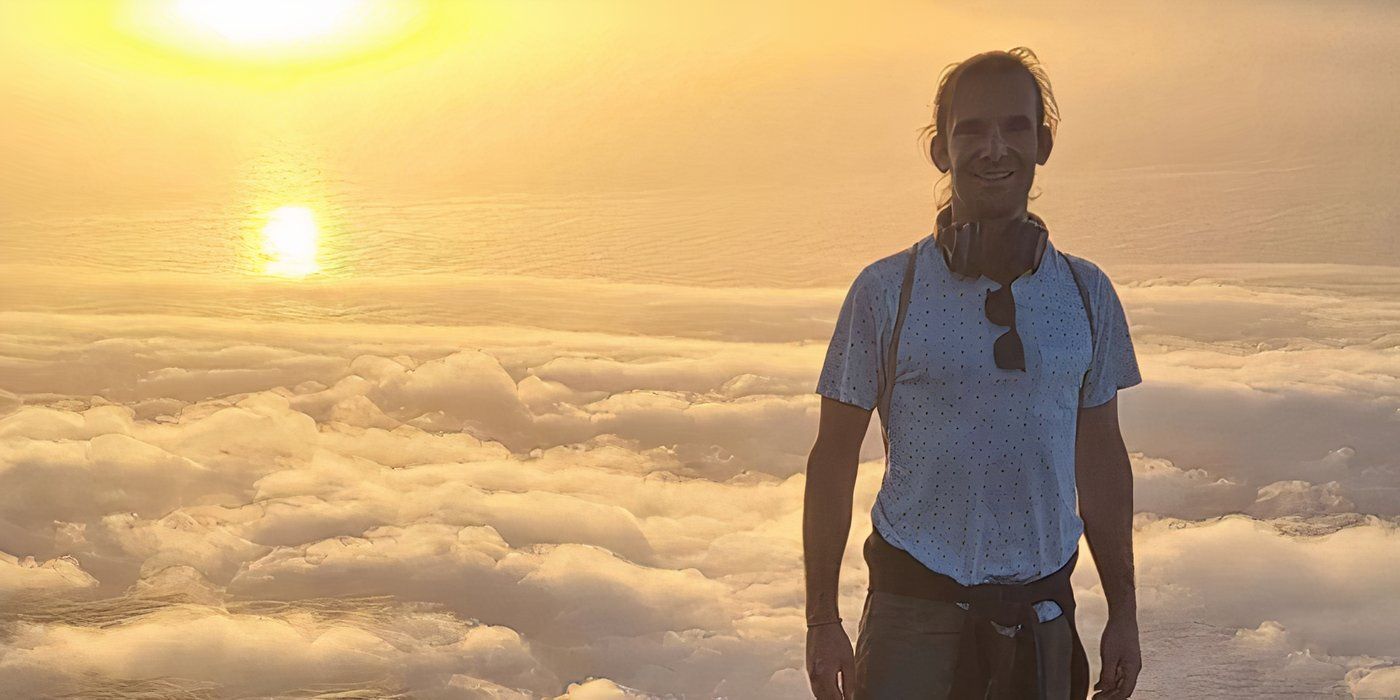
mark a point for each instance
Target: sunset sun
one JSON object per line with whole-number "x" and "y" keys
{"x": 276, "y": 31}
{"x": 269, "y": 22}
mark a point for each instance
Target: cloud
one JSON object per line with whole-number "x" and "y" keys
{"x": 1239, "y": 571}
{"x": 313, "y": 644}
{"x": 20, "y": 576}
{"x": 1296, "y": 497}
{"x": 1374, "y": 683}
{"x": 1159, "y": 486}
{"x": 515, "y": 512}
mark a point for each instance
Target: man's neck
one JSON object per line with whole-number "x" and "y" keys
{"x": 1000, "y": 236}
{"x": 997, "y": 230}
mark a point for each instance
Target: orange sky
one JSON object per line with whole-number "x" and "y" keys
{"x": 508, "y": 314}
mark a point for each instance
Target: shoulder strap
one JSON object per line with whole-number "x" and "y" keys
{"x": 892, "y": 354}
{"x": 1088, "y": 309}
{"x": 1083, "y": 295}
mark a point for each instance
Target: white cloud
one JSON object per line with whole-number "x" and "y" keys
{"x": 621, "y": 515}
{"x": 355, "y": 643}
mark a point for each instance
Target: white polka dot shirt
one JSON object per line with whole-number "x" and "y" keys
{"x": 979, "y": 482}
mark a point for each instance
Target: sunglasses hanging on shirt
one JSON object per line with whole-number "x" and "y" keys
{"x": 1001, "y": 310}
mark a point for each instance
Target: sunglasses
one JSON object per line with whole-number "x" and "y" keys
{"x": 1001, "y": 310}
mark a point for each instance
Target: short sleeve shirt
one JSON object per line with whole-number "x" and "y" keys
{"x": 979, "y": 482}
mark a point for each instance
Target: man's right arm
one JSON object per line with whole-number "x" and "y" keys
{"x": 848, "y": 385}
{"x": 827, "y": 505}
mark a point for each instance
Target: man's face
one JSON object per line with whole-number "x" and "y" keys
{"x": 993, "y": 142}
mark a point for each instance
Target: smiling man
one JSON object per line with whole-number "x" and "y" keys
{"x": 994, "y": 360}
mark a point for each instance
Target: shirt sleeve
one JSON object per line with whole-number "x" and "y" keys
{"x": 1114, "y": 365}
{"x": 852, "y": 370}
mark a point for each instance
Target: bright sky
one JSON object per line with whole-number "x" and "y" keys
{"x": 779, "y": 128}
{"x": 529, "y": 299}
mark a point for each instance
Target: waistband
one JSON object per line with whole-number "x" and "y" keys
{"x": 897, "y": 571}
{"x": 1008, "y": 604}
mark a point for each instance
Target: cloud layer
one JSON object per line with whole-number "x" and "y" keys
{"x": 495, "y": 512}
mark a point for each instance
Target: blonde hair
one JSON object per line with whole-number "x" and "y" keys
{"x": 1047, "y": 112}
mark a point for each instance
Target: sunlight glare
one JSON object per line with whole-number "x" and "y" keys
{"x": 290, "y": 239}
{"x": 255, "y": 22}
{"x": 259, "y": 31}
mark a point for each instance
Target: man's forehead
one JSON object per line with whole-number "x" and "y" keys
{"x": 993, "y": 92}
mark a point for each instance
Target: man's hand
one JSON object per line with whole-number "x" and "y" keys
{"x": 1122, "y": 658}
{"x": 829, "y": 652}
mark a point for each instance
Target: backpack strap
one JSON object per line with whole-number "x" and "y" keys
{"x": 892, "y": 354}
{"x": 1088, "y": 311}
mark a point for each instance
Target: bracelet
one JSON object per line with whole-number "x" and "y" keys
{"x": 824, "y": 622}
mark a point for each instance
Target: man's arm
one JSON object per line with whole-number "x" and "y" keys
{"x": 826, "y": 509}
{"x": 1104, "y": 477}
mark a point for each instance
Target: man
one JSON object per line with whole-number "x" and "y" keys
{"x": 1001, "y": 410}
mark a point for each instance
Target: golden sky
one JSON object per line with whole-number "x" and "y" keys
{"x": 466, "y": 348}
{"x": 1231, "y": 115}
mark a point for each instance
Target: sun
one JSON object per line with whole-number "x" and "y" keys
{"x": 272, "y": 30}
{"x": 254, "y": 22}
{"x": 290, "y": 239}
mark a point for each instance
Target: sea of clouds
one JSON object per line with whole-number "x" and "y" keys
{"x": 206, "y": 507}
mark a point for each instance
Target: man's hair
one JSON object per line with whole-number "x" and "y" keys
{"x": 1022, "y": 58}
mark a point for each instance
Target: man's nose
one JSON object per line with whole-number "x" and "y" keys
{"x": 996, "y": 145}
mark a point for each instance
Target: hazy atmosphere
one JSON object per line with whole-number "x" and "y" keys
{"x": 467, "y": 349}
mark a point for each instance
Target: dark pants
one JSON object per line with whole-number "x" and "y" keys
{"x": 907, "y": 648}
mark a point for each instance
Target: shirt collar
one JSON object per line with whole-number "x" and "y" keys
{"x": 967, "y": 258}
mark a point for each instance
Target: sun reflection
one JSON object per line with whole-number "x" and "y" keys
{"x": 290, "y": 238}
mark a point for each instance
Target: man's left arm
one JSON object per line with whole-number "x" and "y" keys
{"x": 1104, "y": 478}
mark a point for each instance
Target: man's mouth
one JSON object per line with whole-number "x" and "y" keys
{"x": 996, "y": 174}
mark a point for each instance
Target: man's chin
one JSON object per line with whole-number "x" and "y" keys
{"x": 991, "y": 204}
{"x": 997, "y": 207}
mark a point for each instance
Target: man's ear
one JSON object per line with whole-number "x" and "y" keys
{"x": 1043, "y": 144}
{"x": 938, "y": 150}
